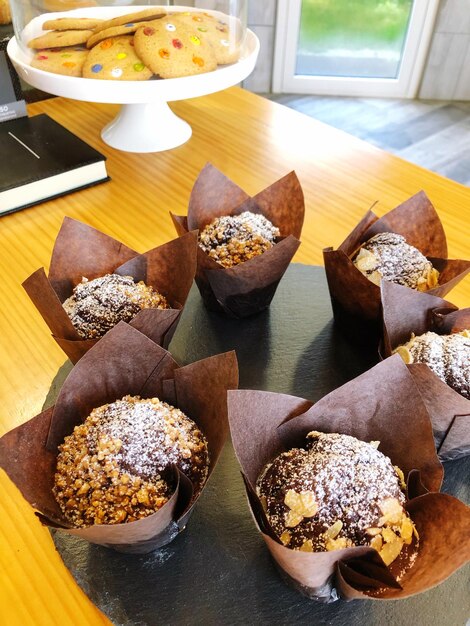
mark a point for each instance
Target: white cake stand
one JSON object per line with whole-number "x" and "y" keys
{"x": 145, "y": 122}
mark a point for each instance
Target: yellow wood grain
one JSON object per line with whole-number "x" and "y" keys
{"x": 254, "y": 142}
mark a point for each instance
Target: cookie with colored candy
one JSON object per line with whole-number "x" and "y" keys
{"x": 113, "y": 31}
{"x": 60, "y": 39}
{"x": 67, "y": 61}
{"x": 128, "y": 18}
{"x": 71, "y": 23}
{"x": 115, "y": 59}
{"x": 171, "y": 49}
{"x": 225, "y": 40}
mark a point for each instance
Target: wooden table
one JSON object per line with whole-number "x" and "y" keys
{"x": 254, "y": 142}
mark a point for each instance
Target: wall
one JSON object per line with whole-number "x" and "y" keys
{"x": 447, "y": 71}
{"x": 262, "y": 20}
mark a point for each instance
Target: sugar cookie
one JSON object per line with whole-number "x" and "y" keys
{"x": 171, "y": 49}
{"x": 224, "y": 40}
{"x": 71, "y": 23}
{"x": 115, "y": 59}
{"x": 141, "y": 16}
{"x": 67, "y": 61}
{"x": 60, "y": 39}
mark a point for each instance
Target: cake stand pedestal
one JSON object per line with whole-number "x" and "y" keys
{"x": 149, "y": 127}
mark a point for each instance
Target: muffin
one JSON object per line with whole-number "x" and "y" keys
{"x": 448, "y": 356}
{"x": 117, "y": 466}
{"x": 387, "y": 256}
{"x": 97, "y": 305}
{"x": 233, "y": 239}
{"x": 338, "y": 492}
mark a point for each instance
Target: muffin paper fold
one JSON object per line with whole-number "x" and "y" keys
{"x": 383, "y": 405}
{"x": 406, "y": 311}
{"x": 355, "y": 299}
{"x": 82, "y": 251}
{"x": 247, "y": 288}
{"x": 124, "y": 362}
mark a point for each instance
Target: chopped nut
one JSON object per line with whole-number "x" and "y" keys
{"x": 365, "y": 260}
{"x": 337, "y": 544}
{"x": 406, "y": 529}
{"x": 307, "y": 546}
{"x": 83, "y": 489}
{"x": 302, "y": 503}
{"x": 377, "y": 543}
{"x": 373, "y": 531}
{"x": 120, "y": 515}
{"x": 401, "y": 476}
{"x": 392, "y": 511}
{"x": 388, "y": 535}
{"x": 293, "y": 519}
{"x": 391, "y": 550}
{"x": 374, "y": 444}
{"x": 432, "y": 279}
{"x": 405, "y": 354}
{"x": 285, "y": 537}
{"x": 334, "y": 530}
{"x": 314, "y": 434}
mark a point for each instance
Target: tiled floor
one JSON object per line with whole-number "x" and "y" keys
{"x": 434, "y": 134}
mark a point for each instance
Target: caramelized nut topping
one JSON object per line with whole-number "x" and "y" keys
{"x": 233, "y": 239}
{"x": 113, "y": 467}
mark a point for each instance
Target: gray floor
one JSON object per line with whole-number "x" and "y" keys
{"x": 433, "y": 134}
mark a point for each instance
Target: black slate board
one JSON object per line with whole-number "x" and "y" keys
{"x": 218, "y": 571}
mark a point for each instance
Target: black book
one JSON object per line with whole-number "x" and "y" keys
{"x": 40, "y": 159}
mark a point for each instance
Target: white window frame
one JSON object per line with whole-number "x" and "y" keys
{"x": 416, "y": 46}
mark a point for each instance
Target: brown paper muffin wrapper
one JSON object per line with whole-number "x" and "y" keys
{"x": 406, "y": 311}
{"x": 124, "y": 362}
{"x": 81, "y": 250}
{"x": 383, "y": 405}
{"x": 249, "y": 287}
{"x": 355, "y": 299}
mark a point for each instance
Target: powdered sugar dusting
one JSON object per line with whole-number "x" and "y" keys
{"x": 233, "y": 239}
{"x": 448, "y": 356}
{"x": 349, "y": 479}
{"x": 99, "y": 304}
{"x": 394, "y": 260}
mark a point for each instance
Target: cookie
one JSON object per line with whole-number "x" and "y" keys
{"x": 115, "y": 59}
{"x": 60, "y": 39}
{"x": 224, "y": 40}
{"x": 113, "y": 31}
{"x": 66, "y": 5}
{"x": 148, "y": 14}
{"x": 171, "y": 49}
{"x": 67, "y": 61}
{"x": 71, "y": 23}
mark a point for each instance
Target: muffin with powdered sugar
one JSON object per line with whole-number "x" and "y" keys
{"x": 448, "y": 356}
{"x": 387, "y": 256}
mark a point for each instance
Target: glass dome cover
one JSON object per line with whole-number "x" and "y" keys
{"x": 145, "y": 122}
{"x": 223, "y": 22}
